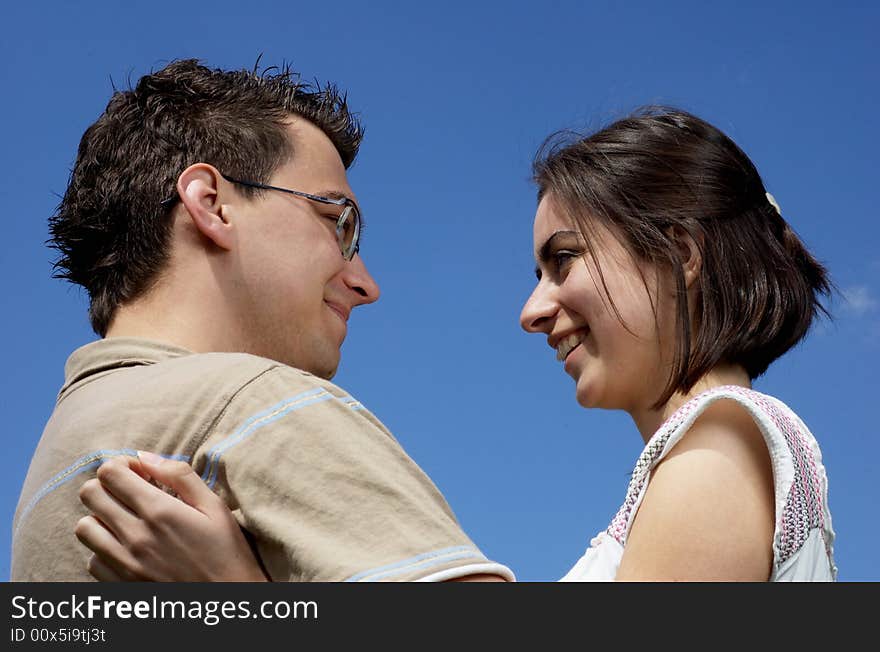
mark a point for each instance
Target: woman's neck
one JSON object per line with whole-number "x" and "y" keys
{"x": 650, "y": 419}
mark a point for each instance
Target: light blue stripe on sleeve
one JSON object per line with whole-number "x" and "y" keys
{"x": 257, "y": 421}
{"x": 83, "y": 464}
{"x": 351, "y": 402}
{"x": 424, "y": 560}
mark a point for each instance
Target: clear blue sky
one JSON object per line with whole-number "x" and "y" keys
{"x": 456, "y": 96}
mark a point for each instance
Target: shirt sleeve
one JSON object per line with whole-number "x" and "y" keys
{"x": 326, "y": 491}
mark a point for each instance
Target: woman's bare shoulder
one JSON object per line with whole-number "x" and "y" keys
{"x": 709, "y": 509}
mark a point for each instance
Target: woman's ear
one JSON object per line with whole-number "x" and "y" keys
{"x": 199, "y": 189}
{"x": 689, "y": 253}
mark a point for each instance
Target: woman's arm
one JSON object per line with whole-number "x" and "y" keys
{"x": 139, "y": 532}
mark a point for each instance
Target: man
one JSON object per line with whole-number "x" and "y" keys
{"x": 209, "y": 218}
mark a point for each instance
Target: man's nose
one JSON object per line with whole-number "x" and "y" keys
{"x": 358, "y": 279}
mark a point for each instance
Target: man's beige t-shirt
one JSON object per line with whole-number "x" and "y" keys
{"x": 322, "y": 487}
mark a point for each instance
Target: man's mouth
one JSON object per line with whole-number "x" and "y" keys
{"x": 339, "y": 310}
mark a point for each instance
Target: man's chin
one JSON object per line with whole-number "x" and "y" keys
{"x": 327, "y": 371}
{"x": 322, "y": 368}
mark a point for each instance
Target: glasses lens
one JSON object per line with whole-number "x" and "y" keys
{"x": 348, "y": 230}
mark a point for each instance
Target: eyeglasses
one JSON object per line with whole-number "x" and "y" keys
{"x": 348, "y": 224}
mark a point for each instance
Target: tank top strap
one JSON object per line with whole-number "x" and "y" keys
{"x": 800, "y": 484}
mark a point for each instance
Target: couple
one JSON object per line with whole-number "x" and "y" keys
{"x": 209, "y": 218}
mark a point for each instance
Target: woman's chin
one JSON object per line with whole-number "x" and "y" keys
{"x": 594, "y": 396}
{"x": 586, "y": 395}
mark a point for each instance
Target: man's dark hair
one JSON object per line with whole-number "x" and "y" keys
{"x": 662, "y": 171}
{"x": 111, "y": 229}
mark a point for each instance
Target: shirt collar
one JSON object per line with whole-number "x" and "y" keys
{"x": 114, "y": 353}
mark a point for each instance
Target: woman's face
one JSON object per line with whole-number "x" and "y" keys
{"x": 616, "y": 362}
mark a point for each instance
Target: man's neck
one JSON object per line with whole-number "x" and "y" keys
{"x": 182, "y": 317}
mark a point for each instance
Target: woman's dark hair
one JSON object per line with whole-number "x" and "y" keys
{"x": 111, "y": 229}
{"x": 663, "y": 171}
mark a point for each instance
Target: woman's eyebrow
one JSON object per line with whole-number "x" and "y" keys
{"x": 543, "y": 254}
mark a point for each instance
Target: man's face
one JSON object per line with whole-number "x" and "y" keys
{"x": 295, "y": 290}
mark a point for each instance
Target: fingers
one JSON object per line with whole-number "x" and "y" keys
{"x": 139, "y": 532}
{"x": 131, "y": 462}
{"x": 102, "y": 572}
{"x": 180, "y": 478}
{"x": 111, "y": 561}
{"x": 113, "y": 514}
{"x": 128, "y": 488}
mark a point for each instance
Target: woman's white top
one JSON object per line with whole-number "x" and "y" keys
{"x": 803, "y": 536}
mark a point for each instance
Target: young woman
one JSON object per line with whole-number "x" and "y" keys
{"x": 667, "y": 281}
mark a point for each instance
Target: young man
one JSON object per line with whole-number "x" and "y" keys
{"x": 210, "y": 219}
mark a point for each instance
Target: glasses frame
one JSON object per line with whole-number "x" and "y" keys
{"x": 350, "y": 208}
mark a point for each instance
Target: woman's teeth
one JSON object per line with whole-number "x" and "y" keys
{"x": 567, "y": 344}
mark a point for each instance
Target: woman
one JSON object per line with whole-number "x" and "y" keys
{"x": 667, "y": 282}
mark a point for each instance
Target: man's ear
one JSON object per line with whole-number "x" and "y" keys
{"x": 199, "y": 188}
{"x": 689, "y": 253}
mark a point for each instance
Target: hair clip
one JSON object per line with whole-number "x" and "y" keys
{"x": 773, "y": 203}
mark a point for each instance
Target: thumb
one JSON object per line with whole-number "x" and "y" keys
{"x": 180, "y": 478}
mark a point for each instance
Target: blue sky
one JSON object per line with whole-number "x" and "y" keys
{"x": 456, "y": 97}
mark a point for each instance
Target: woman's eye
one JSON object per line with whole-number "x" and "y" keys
{"x": 563, "y": 257}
